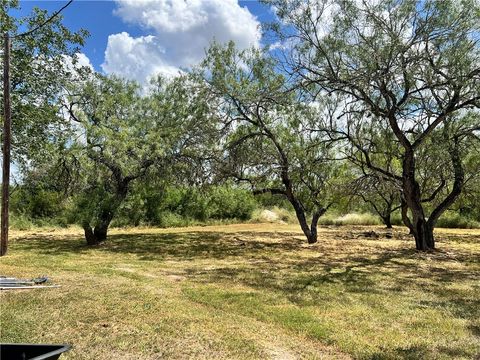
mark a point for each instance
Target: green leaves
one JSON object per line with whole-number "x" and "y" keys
{"x": 38, "y": 76}
{"x": 268, "y": 131}
{"x": 121, "y": 135}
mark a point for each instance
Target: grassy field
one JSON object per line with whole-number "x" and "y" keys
{"x": 251, "y": 291}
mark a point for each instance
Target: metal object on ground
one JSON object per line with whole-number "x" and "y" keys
{"x": 9, "y": 283}
{"x": 29, "y": 351}
{"x": 32, "y": 351}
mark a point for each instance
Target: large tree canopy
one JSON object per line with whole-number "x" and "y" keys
{"x": 412, "y": 65}
{"x": 40, "y": 70}
{"x": 268, "y": 141}
{"x": 377, "y": 99}
{"x": 118, "y": 135}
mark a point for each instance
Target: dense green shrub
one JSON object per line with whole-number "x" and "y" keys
{"x": 183, "y": 206}
{"x": 173, "y": 206}
{"x": 269, "y": 201}
{"x": 451, "y": 219}
{"x": 36, "y": 203}
{"x": 230, "y": 203}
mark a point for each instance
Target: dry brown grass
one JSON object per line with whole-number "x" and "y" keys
{"x": 249, "y": 291}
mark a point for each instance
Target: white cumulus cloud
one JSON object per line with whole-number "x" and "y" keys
{"x": 83, "y": 60}
{"x": 178, "y": 31}
{"x": 136, "y": 58}
{"x": 79, "y": 60}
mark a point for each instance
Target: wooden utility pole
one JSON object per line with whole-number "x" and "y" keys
{"x": 7, "y": 124}
{"x": 6, "y": 145}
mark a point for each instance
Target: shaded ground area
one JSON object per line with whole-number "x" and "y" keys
{"x": 248, "y": 291}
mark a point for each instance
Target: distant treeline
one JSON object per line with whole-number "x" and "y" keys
{"x": 188, "y": 205}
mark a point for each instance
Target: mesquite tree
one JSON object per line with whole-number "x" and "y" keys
{"x": 267, "y": 141}
{"x": 412, "y": 65}
{"x": 119, "y": 134}
{"x": 381, "y": 195}
{"x": 38, "y": 75}
{"x": 110, "y": 138}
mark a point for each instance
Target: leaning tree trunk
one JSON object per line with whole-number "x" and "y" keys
{"x": 310, "y": 231}
{"x": 311, "y": 234}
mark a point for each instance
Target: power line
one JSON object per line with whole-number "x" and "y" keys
{"x": 55, "y": 14}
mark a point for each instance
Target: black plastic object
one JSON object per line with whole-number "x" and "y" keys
{"x": 31, "y": 351}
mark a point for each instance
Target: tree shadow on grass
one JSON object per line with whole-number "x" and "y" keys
{"x": 306, "y": 282}
{"x": 271, "y": 254}
{"x": 153, "y": 247}
{"x": 357, "y": 273}
{"x": 280, "y": 263}
{"x": 420, "y": 352}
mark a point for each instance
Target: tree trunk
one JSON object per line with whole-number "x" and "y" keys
{"x": 387, "y": 220}
{"x": 313, "y": 226}
{"x": 100, "y": 231}
{"x": 89, "y": 235}
{"x": 310, "y": 232}
{"x": 98, "y": 234}
{"x": 6, "y": 147}
{"x": 421, "y": 230}
{"x": 302, "y": 220}
{"x": 423, "y": 234}
{"x": 420, "y": 227}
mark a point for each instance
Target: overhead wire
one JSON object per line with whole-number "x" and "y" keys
{"x": 55, "y": 14}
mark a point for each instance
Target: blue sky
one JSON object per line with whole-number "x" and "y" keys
{"x": 135, "y": 38}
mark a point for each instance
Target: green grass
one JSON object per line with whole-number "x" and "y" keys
{"x": 250, "y": 291}
{"x": 20, "y": 222}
